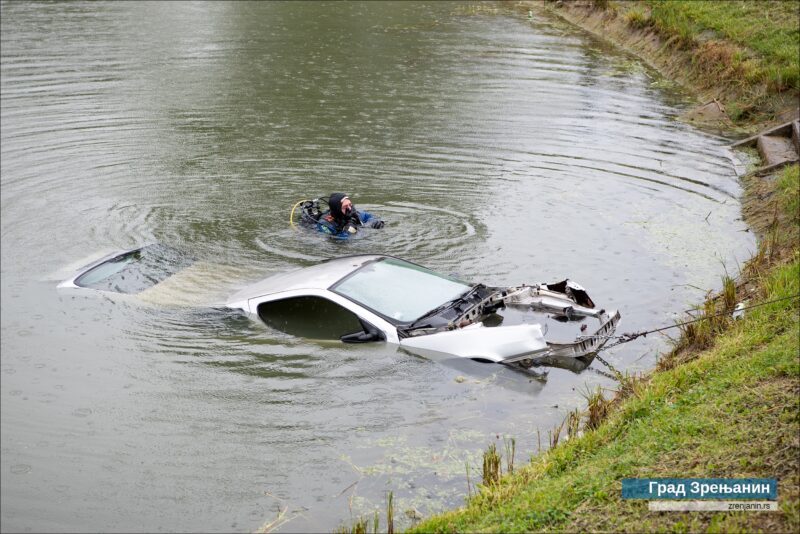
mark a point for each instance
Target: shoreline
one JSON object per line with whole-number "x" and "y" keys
{"x": 736, "y": 384}
{"x": 716, "y": 94}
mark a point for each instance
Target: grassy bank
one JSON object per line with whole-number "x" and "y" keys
{"x": 752, "y": 47}
{"x": 725, "y": 403}
{"x": 728, "y": 410}
{"x": 744, "y": 54}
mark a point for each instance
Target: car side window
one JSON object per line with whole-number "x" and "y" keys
{"x": 309, "y": 317}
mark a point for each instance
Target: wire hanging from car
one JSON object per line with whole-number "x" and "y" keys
{"x": 625, "y": 338}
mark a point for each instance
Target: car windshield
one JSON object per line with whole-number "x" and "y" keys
{"x": 400, "y": 290}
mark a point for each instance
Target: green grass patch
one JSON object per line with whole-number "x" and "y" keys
{"x": 637, "y": 17}
{"x": 731, "y": 412}
{"x": 768, "y": 32}
{"x": 789, "y": 192}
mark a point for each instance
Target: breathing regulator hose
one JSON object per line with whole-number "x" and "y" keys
{"x": 291, "y": 215}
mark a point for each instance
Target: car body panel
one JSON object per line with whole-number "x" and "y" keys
{"x": 320, "y": 276}
{"x": 478, "y": 342}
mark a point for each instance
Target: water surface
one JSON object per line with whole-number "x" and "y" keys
{"x": 502, "y": 149}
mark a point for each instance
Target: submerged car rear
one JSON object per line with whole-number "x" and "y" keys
{"x": 130, "y": 271}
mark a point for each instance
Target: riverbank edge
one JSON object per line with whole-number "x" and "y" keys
{"x": 729, "y": 409}
{"x": 724, "y": 406}
{"x": 716, "y": 93}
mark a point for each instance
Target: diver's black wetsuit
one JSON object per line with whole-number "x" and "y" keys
{"x": 338, "y": 224}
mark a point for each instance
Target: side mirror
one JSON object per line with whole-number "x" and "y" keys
{"x": 367, "y": 335}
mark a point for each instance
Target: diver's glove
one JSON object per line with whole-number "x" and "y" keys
{"x": 376, "y": 223}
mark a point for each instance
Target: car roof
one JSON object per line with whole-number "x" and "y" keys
{"x": 320, "y": 276}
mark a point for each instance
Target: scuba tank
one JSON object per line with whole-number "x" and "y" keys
{"x": 310, "y": 211}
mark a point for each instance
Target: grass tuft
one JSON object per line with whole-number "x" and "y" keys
{"x": 491, "y": 466}
{"x": 510, "y": 445}
{"x": 360, "y": 526}
{"x": 789, "y": 193}
{"x": 728, "y": 293}
{"x": 637, "y": 18}
{"x": 573, "y": 423}
{"x": 554, "y": 435}
{"x": 630, "y": 385}
{"x": 389, "y": 513}
{"x": 596, "y": 408}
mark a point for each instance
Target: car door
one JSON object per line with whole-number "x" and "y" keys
{"x": 317, "y": 317}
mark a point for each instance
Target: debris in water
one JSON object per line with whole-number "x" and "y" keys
{"x": 414, "y": 514}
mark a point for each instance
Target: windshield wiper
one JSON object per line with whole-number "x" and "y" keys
{"x": 445, "y": 306}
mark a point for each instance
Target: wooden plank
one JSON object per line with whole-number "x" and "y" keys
{"x": 750, "y": 141}
{"x": 782, "y": 129}
{"x": 776, "y": 149}
{"x": 767, "y": 169}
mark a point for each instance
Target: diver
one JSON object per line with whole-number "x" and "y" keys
{"x": 341, "y": 220}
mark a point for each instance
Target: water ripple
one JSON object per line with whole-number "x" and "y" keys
{"x": 496, "y": 148}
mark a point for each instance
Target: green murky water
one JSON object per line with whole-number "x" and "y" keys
{"x": 498, "y": 148}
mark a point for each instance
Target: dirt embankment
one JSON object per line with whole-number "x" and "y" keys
{"x": 708, "y": 68}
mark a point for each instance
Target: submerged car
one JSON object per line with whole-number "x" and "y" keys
{"x": 377, "y": 298}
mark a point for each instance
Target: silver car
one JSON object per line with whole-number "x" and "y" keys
{"x": 377, "y": 298}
